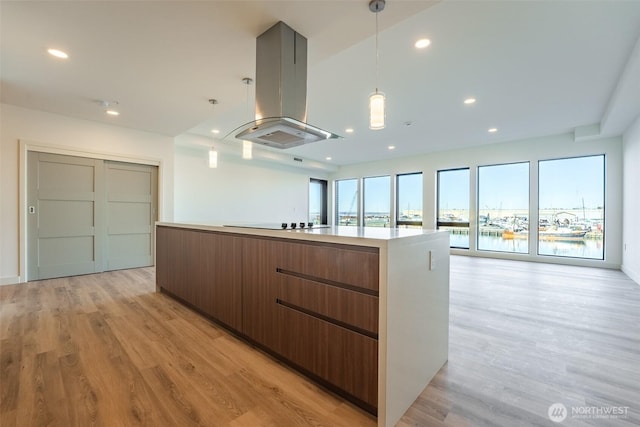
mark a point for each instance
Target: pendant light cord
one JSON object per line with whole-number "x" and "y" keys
{"x": 248, "y": 112}
{"x": 213, "y": 103}
{"x": 377, "y": 52}
{"x": 247, "y": 81}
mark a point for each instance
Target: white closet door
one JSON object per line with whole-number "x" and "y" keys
{"x": 64, "y": 220}
{"x": 130, "y": 214}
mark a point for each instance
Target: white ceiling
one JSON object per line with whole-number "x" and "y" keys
{"x": 536, "y": 68}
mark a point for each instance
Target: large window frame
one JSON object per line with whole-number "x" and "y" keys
{"x": 399, "y": 221}
{"x": 510, "y": 226}
{"x": 354, "y": 203}
{"x": 322, "y": 187}
{"x": 365, "y": 201}
{"x": 559, "y": 226}
{"x": 454, "y": 226}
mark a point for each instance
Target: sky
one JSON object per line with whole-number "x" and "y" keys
{"x": 315, "y": 197}
{"x": 377, "y": 196}
{"x": 563, "y": 184}
{"x": 410, "y": 192}
{"x": 453, "y": 189}
{"x": 346, "y": 192}
{"x": 503, "y": 186}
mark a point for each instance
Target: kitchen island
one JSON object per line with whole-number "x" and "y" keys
{"x": 362, "y": 311}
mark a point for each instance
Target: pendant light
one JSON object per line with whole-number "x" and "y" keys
{"x": 376, "y": 99}
{"x": 247, "y": 146}
{"x": 247, "y": 150}
{"x": 213, "y": 154}
{"x": 213, "y": 158}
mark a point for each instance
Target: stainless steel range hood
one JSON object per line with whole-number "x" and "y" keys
{"x": 281, "y": 92}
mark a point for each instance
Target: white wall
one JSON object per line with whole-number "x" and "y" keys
{"x": 532, "y": 150}
{"x": 237, "y": 191}
{"x": 631, "y": 203}
{"x": 55, "y": 133}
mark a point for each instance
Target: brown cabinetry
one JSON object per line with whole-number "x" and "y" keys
{"x": 260, "y": 291}
{"x": 202, "y": 269}
{"x": 175, "y": 274}
{"x": 314, "y": 305}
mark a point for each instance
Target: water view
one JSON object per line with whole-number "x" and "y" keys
{"x": 570, "y": 233}
{"x": 567, "y": 222}
{"x": 586, "y": 248}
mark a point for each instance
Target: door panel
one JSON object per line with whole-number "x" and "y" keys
{"x": 129, "y": 251}
{"x": 130, "y": 214}
{"x": 67, "y": 173}
{"x": 88, "y": 215}
{"x": 64, "y": 226}
{"x": 128, "y": 217}
{"x": 66, "y": 256}
{"x": 67, "y": 217}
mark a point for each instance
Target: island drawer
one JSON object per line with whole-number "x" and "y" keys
{"x": 350, "y": 266}
{"x": 342, "y": 306}
{"x": 347, "y": 361}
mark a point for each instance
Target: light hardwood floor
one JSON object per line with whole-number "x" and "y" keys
{"x": 106, "y": 349}
{"x": 526, "y": 335}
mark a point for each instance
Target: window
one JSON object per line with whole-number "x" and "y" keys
{"x": 571, "y": 207}
{"x": 317, "y": 201}
{"x": 347, "y": 202}
{"x": 503, "y": 208}
{"x": 377, "y": 201}
{"x": 453, "y": 205}
{"x": 409, "y": 200}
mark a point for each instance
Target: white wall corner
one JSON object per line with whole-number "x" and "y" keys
{"x": 633, "y": 275}
{"x": 623, "y": 104}
{"x": 586, "y": 132}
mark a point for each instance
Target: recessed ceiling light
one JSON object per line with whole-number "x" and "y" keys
{"x": 328, "y": 158}
{"x": 349, "y": 130}
{"x": 493, "y": 130}
{"x": 216, "y": 131}
{"x": 112, "y": 112}
{"x": 391, "y": 147}
{"x": 422, "y": 43}
{"x": 58, "y": 53}
{"x": 470, "y": 101}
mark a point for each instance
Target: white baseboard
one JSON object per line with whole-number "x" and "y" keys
{"x": 11, "y": 280}
{"x": 633, "y": 275}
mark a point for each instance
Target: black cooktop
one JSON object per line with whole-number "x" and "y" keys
{"x": 281, "y": 226}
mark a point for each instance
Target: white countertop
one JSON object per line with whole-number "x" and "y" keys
{"x": 361, "y": 236}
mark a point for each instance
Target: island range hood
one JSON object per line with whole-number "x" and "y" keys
{"x": 281, "y": 92}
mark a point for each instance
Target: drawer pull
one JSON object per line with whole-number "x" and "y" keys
{"x": 328, "y": 282}
{"x": 327, "y": 319}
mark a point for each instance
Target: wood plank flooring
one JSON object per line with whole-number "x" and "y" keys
{"x": 106, "y": 350}
{"x": 526, "y": 335}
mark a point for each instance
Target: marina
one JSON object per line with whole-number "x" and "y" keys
{"x": 574, "y": 232}
{"x": 586, "y": 248}
{"x": 559, "y": 233}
